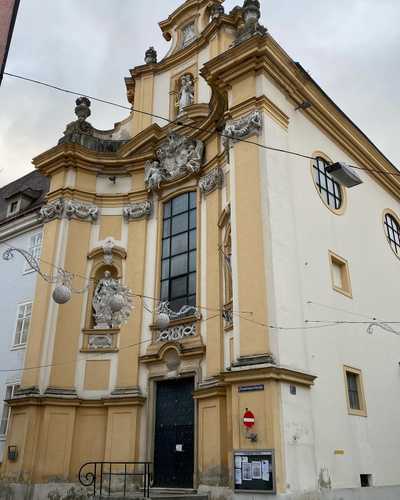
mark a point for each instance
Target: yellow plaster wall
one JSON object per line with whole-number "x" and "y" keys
{"x": 212, "y": 451}
{"x": 55, "y": 443}
{"x": 110, "y": 225}
{"x": 68, "y": 326}
{"x": 130, "y": 333}
{"x": 58, "y": 180}
{"x": 144, "y": 101}
{"x": 250, "y": 250}
{"x": 89, "y": 438}
{"x": 244, "y": 88}
{"x": 97, "y": 374}
{"x": 138, "y": 181}
{"x": 86, "y": 181}
{"x": 122, "y": 434}
{"x": 213, "y": 294}
{"x": 40, "y": 305}
{"x": 265, "y": 406}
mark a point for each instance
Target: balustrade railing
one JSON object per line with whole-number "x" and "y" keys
{"x": 108, "y": 479}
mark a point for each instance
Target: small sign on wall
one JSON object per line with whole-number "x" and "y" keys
{"x": 254, "y": 471}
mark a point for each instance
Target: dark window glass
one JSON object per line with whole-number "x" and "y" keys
{"x": 179, "y": 244}
{"x": 352, "y": 387}
{"x": 167, "y": 228}
{"x": 178, "y": 269}
{"x": 167, "y": 209}
{"x": 180, "y": 223}
{"x": 392, "y": 228}
{"x": 179, "y": 265}
{"x": 179, "y": 287}
{"x": 192, "y": 240}
{"x": 329, "y": 190}
{"x": 180, "y": 204}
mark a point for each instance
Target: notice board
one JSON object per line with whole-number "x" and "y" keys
{"x": 254, "y": 471}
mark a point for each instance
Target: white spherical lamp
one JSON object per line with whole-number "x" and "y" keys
{"x": 61, "y": 294}
{"x": 117, "y": 302}
{"x": 163, "y": 321}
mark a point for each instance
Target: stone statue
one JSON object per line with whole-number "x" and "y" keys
{"x": 106, "y": 288}
{"x": 186, "y": 93}
{"x": 152, "y": 175}
{"x": 251, "y": 13}
{"x": 150, "y": 56}
{"x": 217, "y": 10}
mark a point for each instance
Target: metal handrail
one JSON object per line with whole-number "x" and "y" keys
{"x": 98, "y": 477}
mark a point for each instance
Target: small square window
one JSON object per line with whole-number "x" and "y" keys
{"x": 340, "y": 275}
{"x": 366, "y": 480}
{"x": 355, "y": 392}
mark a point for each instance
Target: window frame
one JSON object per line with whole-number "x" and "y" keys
{"x": 160, "y": 259}
{"x": 345, "y": 274}
{"x": 7, "y": 408}
{"x": 362, "y": 411}
{"x": 396, "y": 218}
{"x": 27, "y": 268}
{"x": 21, "y": 345}
{"x": 337, "y": 211}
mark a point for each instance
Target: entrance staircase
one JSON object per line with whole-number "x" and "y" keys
{"x": 162, "y": 494}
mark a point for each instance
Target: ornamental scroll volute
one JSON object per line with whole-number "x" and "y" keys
{"x": 177, "y": 157}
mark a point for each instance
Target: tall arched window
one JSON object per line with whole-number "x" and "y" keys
{"x": 178, "y": 262}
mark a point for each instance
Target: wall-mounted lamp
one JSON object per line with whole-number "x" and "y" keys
{"x": 12, "y": 453}
{"x": 344, "y": 174}
{"x": 304, "y": 105}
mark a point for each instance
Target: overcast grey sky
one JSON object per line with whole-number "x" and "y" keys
{"x": 350, "y": 47}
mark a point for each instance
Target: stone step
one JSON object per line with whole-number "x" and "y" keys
{"x": 158, "y": 496}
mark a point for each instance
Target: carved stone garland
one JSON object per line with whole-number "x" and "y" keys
{"x": 176, "y": 157}
{"x": 138, "y": 210}
{"x": 70, "y": 209}
{"x": 211, "y": 181}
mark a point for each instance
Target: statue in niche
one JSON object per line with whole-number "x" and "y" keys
{"x": 152, "y": 175}
{"x": 106, "y": 288}
{"x": 186, "y": 93}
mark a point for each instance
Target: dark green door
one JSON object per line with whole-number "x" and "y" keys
{"x": 174, "y": 434}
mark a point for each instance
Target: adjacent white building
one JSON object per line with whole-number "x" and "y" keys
{"x": 20, "y": 227}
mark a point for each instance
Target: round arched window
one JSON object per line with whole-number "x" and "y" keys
{"x": 392, "y": 230}
{"x": 330, "y": 191}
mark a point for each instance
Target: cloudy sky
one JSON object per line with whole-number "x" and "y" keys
{"x": 350, "y": 47}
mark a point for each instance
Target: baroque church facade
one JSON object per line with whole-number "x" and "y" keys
{"x": 200, "y": 319}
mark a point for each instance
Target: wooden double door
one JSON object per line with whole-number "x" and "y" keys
{"x": 174, "y": 434}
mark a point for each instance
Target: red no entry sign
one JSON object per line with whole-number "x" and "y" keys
{"x": 248, "y": 418}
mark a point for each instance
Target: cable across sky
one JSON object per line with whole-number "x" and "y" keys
{"x": 178, "y": 122}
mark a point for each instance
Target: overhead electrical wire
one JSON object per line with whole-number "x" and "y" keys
{"x": 179, "y": 122}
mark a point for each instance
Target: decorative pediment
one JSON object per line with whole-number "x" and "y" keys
{"x": 177, "y": 157}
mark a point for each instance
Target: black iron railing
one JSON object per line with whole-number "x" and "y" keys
{"x": 107, "y": 479}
